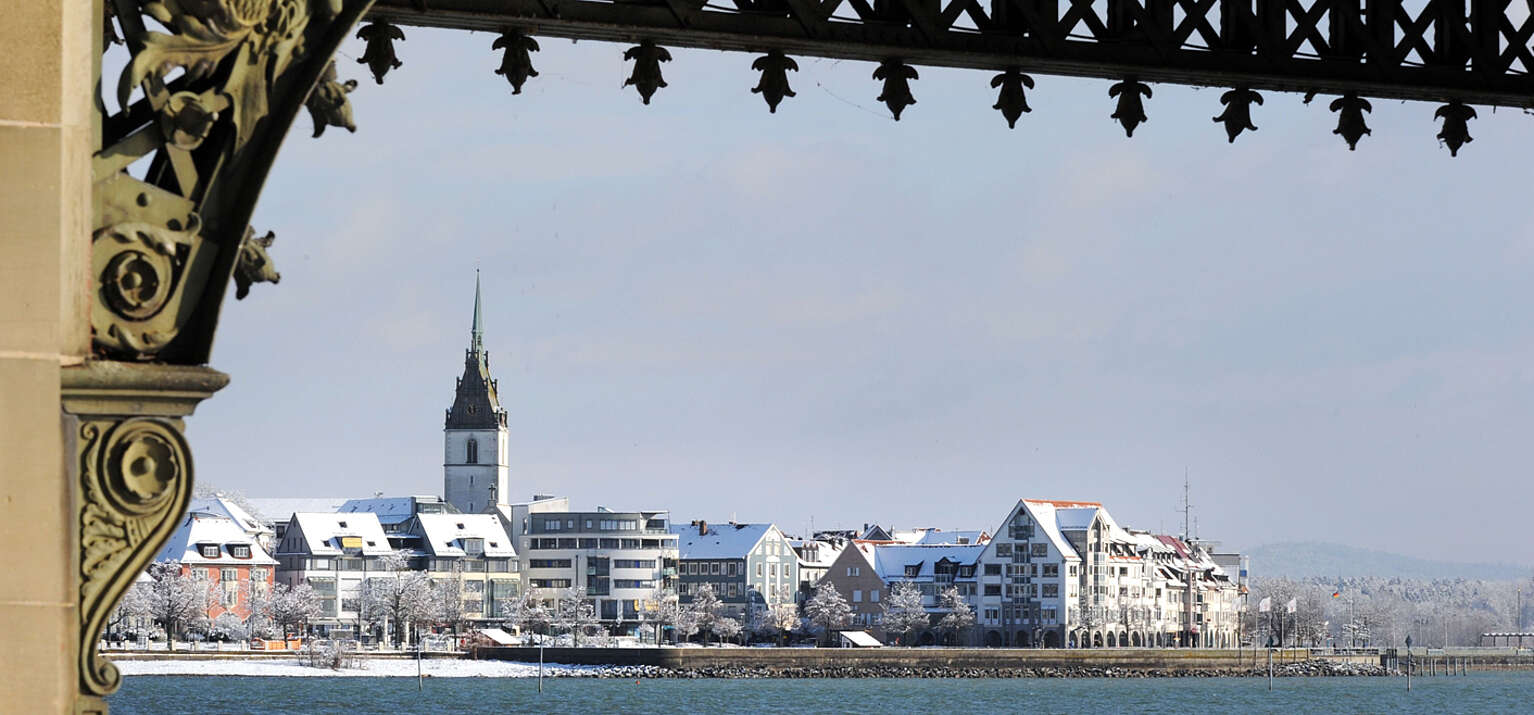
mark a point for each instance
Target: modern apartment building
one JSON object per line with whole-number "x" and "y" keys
{"x": 619, "y": 558}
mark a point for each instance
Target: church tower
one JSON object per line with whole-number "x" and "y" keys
{"x": 476, "y": 470}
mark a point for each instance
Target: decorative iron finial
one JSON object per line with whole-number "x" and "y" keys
{"x": 646, "y": 77}
{"x": 1238, "y": 111}
{"x": 516, "y": 63}
{"x": 327, "y": 102}
{"x": 897, "y": 85}
{"x": 379, "y": 55}
{"x": 1456, "y": 128}
{"x": 773, "y": 85}
{"x": 1350, "y": 118}
{"x": 1130, "y": 110}
{"x": 1012, "y": 101}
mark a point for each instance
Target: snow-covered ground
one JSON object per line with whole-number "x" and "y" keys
{"x": 386, "y": 668}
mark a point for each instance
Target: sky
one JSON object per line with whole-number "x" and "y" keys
{"x": 824, "y": 317}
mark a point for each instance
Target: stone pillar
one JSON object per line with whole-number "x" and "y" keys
{"x": 46, "y": 139}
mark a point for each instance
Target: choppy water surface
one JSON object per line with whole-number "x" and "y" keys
{"x": 1477, "y": 693}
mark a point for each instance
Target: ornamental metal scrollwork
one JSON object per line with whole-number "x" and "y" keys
{"x": 206, "y": 97}
{"x": 135, "y": 483}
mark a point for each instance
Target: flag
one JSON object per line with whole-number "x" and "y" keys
{"x": 1265, "y": 605}
{"x": 1336, "y": 594}
{"x": 1292, "y": 606}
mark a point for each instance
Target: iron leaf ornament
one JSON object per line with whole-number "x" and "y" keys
{"x": 773, "y": 86}
{"x": 1350, "y": 118}
{"x": 516, "y": 62}
{"x": 1456, "y": 118}
{"x": 379, "y": 55}
{"x": 328, "y": 105}
{"x": 897, "y": 86}
{"x": 646, "y": 76}
{"x": 1012, "y": 101}
{"x": 1130, "y": 111}
{"x": 1238, "y": 112}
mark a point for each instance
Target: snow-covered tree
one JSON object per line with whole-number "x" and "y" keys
{"x": 764, "y": 622}
{"x": 403, "y": 596}
{"x": 178, "y": 600}
{"x": 258, "y": 596}
{"x": 229, "y": 627}
{"x": 661, "y": 609}
{"x": 575, "y": 614}
{"x": 707, "y": 609}
{"x": 726, "y": 628}
{"x": 903, "y": 610}
{"x": 528, "y": 613}
{"x": 292, "y": 607}
{"x": 959, "y": 617}
{"x": 130, "y": 612}
{"x": 827, "y": 610}
{"x": 447, "y": 599}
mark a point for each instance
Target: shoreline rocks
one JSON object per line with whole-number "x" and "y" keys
{"x": 1313, "y": 668}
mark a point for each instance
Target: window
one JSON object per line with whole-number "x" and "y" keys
{"x": 549, "y": 582}
{"x": 208, "y": 551}
{"x": 758, "y": 569}
{"x": 633, "y": 563}
{"x": 473, "y": 457}
{"x": 993, "y": 569}
{"x": 993, "y": 589}
{"x": 854, "y": 571}
{"x": 1051, "y": 590}
{"x": 1072, "y": 571}
{"x": 733, "y": 569}
{"x": 319, "y": 564}
{"x": 772, "y": 571}
{"x": 857, "y": 596}
{"x": 1039, "y": 550}
{"x": 549, "y": 564}
{"x": 1051, "y": 570}
{"x": 239, "y": 551}
{"x": 873, "y": 596}
{"x": 551, "y": 525}
{"x": 713, "y": 568}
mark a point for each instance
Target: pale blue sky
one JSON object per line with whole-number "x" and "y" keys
{"x": 826, "y": 314}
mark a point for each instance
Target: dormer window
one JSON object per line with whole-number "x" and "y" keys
{"x": 342, "y": 524}
{"x": 460, "y": 525}
{"x": 208, "y": 551}
{"x": 239, "y": 551}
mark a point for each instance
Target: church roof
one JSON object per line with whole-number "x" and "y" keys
{"x": 476, "y": 404}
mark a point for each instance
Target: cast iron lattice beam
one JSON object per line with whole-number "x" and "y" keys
{"x": 1430, "y": 50}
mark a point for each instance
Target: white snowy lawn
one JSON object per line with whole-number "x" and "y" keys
{"x": 373, "y": 668}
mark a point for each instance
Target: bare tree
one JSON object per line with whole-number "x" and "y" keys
{"x": 827, "y": 610}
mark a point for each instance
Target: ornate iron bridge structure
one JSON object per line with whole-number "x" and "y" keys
{"x": 212, "y": 86}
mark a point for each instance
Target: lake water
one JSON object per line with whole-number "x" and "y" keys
{"x": 1501, "y": 692}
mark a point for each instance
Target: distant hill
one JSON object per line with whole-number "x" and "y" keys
{"x": 1307, "y": 559}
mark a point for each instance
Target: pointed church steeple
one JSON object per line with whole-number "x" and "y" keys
{"x": 476, "y": 404}
{"x": 477, "y": 333}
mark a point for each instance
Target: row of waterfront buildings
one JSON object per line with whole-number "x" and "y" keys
{"x": 1050, "y": 573}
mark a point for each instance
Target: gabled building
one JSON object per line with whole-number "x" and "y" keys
{"x": 218, "y": 550}
{"x": 472, "y": 550}
{"x": 253, "y": 526}
{"x": 746, "y": 564}
{"x": 334, "y": 554}
{"x": 867, "y": 572}
{"x": 815, "y": 556}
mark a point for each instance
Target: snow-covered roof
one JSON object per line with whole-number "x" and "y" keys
{"x": 278, "y": 510}
{"x": 225, "y": 507}
{"x": 1043, "y": 513}
{"x": 890, "y": 561}
{"x": 822, "y": 551}
{"x": 323, "y": 532}
{"x": 860, "y": 639}
{"x": 723, "y": 541}
{"x": 964, "y": 536}
{"x": 394, "y": 510}
{"x": 497, "y": 636}
{"x": 444, "y": 534}
{"x": 200, "y": 528}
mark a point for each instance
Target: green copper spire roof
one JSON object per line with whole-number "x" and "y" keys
{"x": 478, "y": 332}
